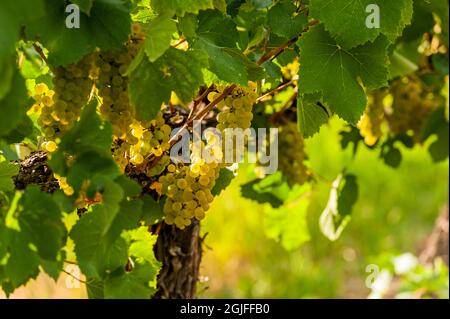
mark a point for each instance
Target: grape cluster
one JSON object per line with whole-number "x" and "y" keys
{"x": 65, "y": 187}
{"x": 291, "y": 159}
{"x": 371, "y": 122}
{"x": 411, "y": 105}
{"x": 72, "y": 88}
{"x": 235, "y": 111}
{"x": 236, "y": 108}
{"x": 188, "y": 188}
{"x": 141, "y": 142}
{"x": 290, "y": 70}
{"x": 113, "y": 84}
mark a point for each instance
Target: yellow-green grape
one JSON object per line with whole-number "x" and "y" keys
{"x": 120, "y": 152}
{"x": 50, "y": 146}
{"x": 291, "y": 159}
{"x": 60, "y": 108}
{"x": 371, "y": 122}
{"x": 291, "y": 70}
{"x": 65, "y": 187}
{"x": 113, "y": 84}
{"x": 142, "y": 143}
{"x": 236, "y": 111}
{"x": 188, "y": 190}
{"x": 43, "y": 97}
{"x": 411, "y": 105}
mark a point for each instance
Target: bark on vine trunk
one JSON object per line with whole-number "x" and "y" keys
{"x": 180, "y": 251}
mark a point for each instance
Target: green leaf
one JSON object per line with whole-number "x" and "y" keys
{"x": 13, "y": 15}
{"x": 218, "y": 37}
{"x": 7, "y": 171}
{"x": 152, "y": 211}
{"x": 273, "y": 189}
{"x": 159, "y": 35}
{"x": 23, "y": 263}
{"x": 221, "y": 5}
{"x": 311, "y": 114}
{"x": 335, "y": 72}
{"x": 283, "y": 20}
{"x": 89, "y": 143}
{"x": 147, "y": 75}
{"x": 400, "y": 65}
{"x": 180, "y": 7}
{"x": 348, "y": 195}
{"x": 351, "y": 136}
{"x": 223, "y": 64}
{"x": 14, "y": 105}
{"x": 288, "y": 223}
{"x": 130, "y": 285}
{"x": 107, "y": 27}
{"x": 437, "y": 125}
{"x": 346, "y": 20}
{"x": 336, "y": 215}
{"x": 188, "y": 26}
{"x": 99, "y": 248}
{"x": 225, "y": 178}
{"x": 89, "y": 133}
{"x": 140, "y": 282}
{"x": 85, "y": 5}
{"x": 176, "y": 70}
{"x": 390, "y": 154}
{"x": 41, "y": 219}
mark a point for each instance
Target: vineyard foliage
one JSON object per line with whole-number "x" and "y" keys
{"x": 99, "y": 103}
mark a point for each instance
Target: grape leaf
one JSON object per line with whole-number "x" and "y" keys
{"x": 188, "y": 26}
{"x": 346, "y": 20}
{"x": 85, "y": 5}
{"x": 334, "y": 71}
{"x": 218, "y": 37}
{"x": 310, "y": 114}
{"x": 7, "y": 171}
{"x": 225, "y": 178}
{"x": 107, "y": 27}
{"x": 130, "y": 285}
{"x": 272, "y": 189}
{"x": 336, "y": 215}
{"x": 176, "y": 70}
{"x": 180, "y": 7}
{"x": 41, "y": 218}
{"x": 288, "y": 224}
{"x": 390, "y": 154}
{"x": 13, "y": 106}
{"x": 89, "y": 143}
{"x": 89, "y": 133}
{"x": 282, "y": 21}
{"x": 437, "y": 124}
{"x": 159, "y": 34}
{"x": 98, "y": 245}
{"x": 13, "y": 15}
{"x": 221, "y": 5}
{"x": 23, "y": 263}
{"x": 152, "y": 211}
{"x": 140, "y": 282}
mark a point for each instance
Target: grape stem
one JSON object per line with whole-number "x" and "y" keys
{"x": 74, "y": 277}
{"x": 41, "y": 53}
{"x": 277, "y": 89}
